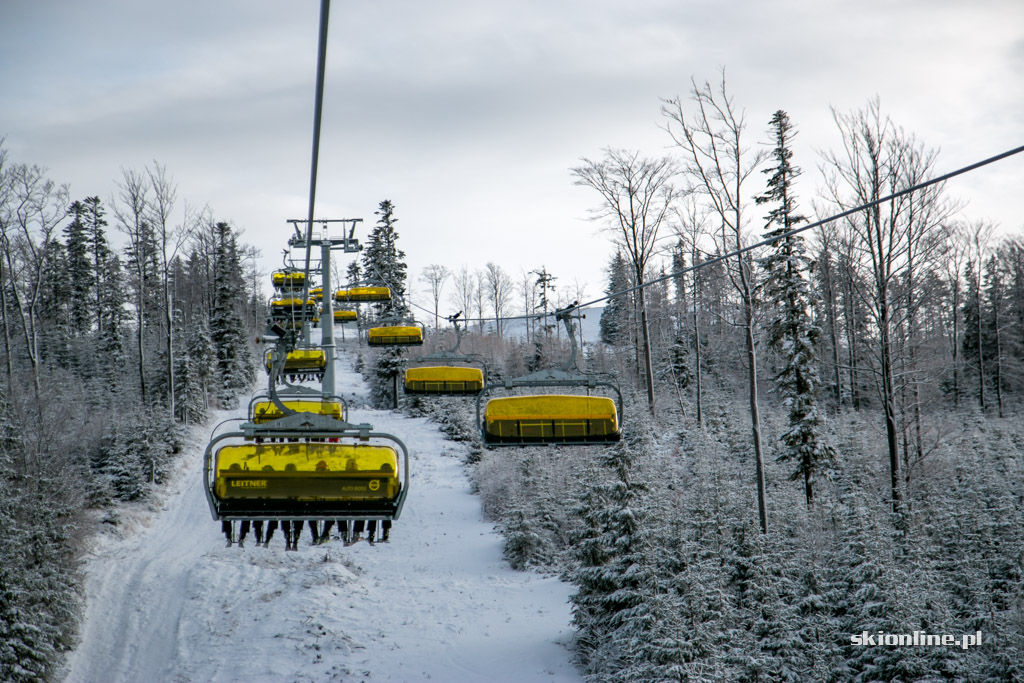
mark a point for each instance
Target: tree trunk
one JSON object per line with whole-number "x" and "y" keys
{"x": 956, "y": 345}
{"x": 851, "y": 342}
{"x": 169, "y": 320}
{"x": 7, "y": 332}
{"x": 696, "y": 361}
{"x": 833, "y": 329}
{"x": 648, "y": 366}
{"x": 996, "y": 295}
{"x": 981, "y": 354}
{"x": 755, "y": 416}
{"x": 889, "y": 403}
{"x": 140, "y": 343}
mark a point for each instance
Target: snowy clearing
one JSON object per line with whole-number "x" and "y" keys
{"x": 168, "y": 602}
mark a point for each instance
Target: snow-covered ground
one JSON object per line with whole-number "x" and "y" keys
{"x": 168, "y": 602}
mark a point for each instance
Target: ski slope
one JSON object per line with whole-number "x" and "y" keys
{"x": 167, "y": 601}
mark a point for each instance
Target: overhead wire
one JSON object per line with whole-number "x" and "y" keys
{"x": 318, "y": 102}
{"x": 765, "y": 242}
{"x": 803, "y": 228}
{"x": 770, "y": 240}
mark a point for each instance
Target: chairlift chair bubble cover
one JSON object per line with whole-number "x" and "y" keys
{"x": 398, "y": 335}
{"x": 288, "y": 280}
{"x": 266, "y": 411}
{"x": 446, "y": 379}
{"x": 301, "y": 360}
{"x": 343, "y": 316}
{"x": 550, "y": 418}
{"x": 363, "y": 294}
{"x": 305, "y": 466}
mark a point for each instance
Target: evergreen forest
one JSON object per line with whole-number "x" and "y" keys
{"x": 109, "y": 355}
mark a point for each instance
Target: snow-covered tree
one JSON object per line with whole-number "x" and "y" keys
{"x": 614, "y": 577}
{"x": 790, "y": 300}
{"x": 616, "y": 314}
{"x": 235, "y": 366}
{"x": 636, "y": 193}
{"x": 80, "y": 270}
{"x": 201, "y": 355}
{"x": 383, "y": 261}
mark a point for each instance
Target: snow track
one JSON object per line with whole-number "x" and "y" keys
{"x": 170, "y": 603}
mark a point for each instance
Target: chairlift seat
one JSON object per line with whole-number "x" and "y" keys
{"x": 395, "y": 336}
{"x": 304, "y": 472}
{"x": 345, "y": 316}
{"x": 266, "y": 411}
{"x": 287, "y": 308}
{"x": 301, "y": 360}
{"x": 550, "y": 418}
{"x": 443, "y": 380}
{"x": 288, "y": 280}
{"x": 363, "y": 294}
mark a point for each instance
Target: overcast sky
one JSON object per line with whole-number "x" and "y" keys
{"x": 468, "y": 115}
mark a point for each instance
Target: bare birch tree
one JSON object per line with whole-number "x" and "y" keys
{"x": 529, "y": 294}
{"x": 499, "y": 291}
{"x": 170, "y": 240}
{"x": 434, "y": 276}
{"x": 131, "y": 208}
{"x": 692, "y": 230}
{"x": 717, "y": 165}
{"x": 31, "y": 208}
{"x": 636, "y": 194}
{"x": 877, "y": 160}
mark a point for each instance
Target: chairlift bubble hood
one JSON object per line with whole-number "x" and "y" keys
{"x": 442, "y": 377}
{"x": 551, "y": 417}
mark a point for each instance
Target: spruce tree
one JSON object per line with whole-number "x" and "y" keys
{"x": 383, "y": 261}
{"x": 545, "y": 282}
{"x": 24, "y": 652}
{"x": 99, "y": 251}
{"x": 864, "y": 576}
{"x": 792, "y": 332}
{"x": 54, "y": 309}
{"x": 235, "y": 367}
{"x": 80, "y": 269}
{"x": 615, "y": 575}
{"x": 615, "y": 315}
{"x": 354, "y": 273}
{"x": 973, "y": 342}
{"x": 190, "y": 401}
{"x": 679, "y": 360}
{"x": 199, "y": 361}
{"x": 994, "y": 333}
{"x": 110, "y": 316}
